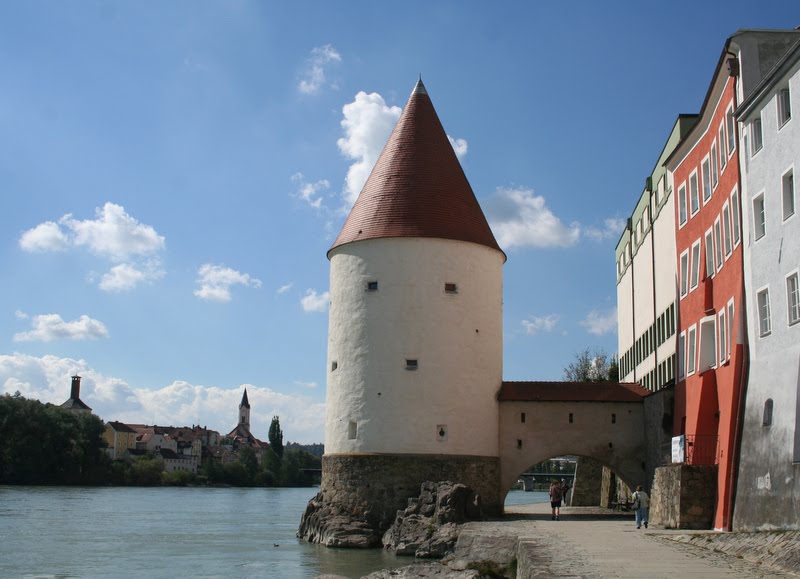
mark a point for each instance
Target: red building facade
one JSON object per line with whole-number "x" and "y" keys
{"x": 706, "y": 181}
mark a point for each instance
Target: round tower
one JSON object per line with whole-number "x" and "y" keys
{"x": 415, "y": 331}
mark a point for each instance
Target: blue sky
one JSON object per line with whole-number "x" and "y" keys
{"x": 173, "y": 173}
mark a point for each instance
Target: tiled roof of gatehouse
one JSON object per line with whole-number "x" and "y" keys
{"x": 571, "y": 392}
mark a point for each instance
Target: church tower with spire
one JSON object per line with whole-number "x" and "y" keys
{"x": 244, "y": 411}
{"x": 414, "y": 337}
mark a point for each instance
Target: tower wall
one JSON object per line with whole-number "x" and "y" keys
{"x": 447, "y": 405}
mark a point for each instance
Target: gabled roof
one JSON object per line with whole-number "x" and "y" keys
{"x": 417, "y": 187}
{"x": 75, "y": 404}
{"x": 571, "y": 392}
{"x": 120, "y": 427}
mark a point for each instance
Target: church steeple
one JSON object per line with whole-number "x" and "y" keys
{"x": 244, "y": 411}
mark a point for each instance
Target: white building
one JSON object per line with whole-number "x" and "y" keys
{"x": 768, "y": 488}
{"x": 646, "y": 278}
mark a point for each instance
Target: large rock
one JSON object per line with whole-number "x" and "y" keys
{"x": 428, "y": 527}
{"x": 330, "y": 524}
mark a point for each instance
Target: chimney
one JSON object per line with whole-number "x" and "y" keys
{"x": 76, "y": 387}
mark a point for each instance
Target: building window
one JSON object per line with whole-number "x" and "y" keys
{"x": 682, "y": 356}
{"x": 793, "y": 298}
{"x": 731, "y": 131}
{"x": 691, "y": 351}
{"x": 450, "y": 288}
{"x": 522, "y": 417}
{"x": 682, "y": 204}
{"x": 334, "y": 365}
{"x": 372, "y": 286}
{"x": 756, "y": 136}
{"x": 352, "y": 430}
{"x": 726, "y": 229}
{"x": 695, "y": 264}
{"x": 723, "y": 337}
{"x": 714, "y": 169}
{"x": 730, "y": 327}
{"x": 571, "y": 418}
{"x": 787, "y": 189}
{"x": 759, "y": 217}
{"x": 764, "y": 323}
{"x": 718, "y": 244}
{"x": 709, "y": 254}
{"x": 706, "y": 180}
{"x": 684, "y": 273}
{"x": 784, "y": 107}
{"x": 723, "y": 158}
{"x": 694, "y": 193}
{"x": 707, "y": 356}
{"x": 411, "y": 364}
{"x": 767, "y": 420}
{"x": 735, "y": 219}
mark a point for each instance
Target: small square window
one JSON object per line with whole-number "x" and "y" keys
{"x": 411, "y": 364}
{"x": 450, "y": 288}
{"x": 334, "y": 365}
{"x": 372, "y": 286}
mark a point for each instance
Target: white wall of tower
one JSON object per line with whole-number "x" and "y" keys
{"x": 374, "y": 403}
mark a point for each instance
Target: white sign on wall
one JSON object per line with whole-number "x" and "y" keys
{"x": 678, "y": 448}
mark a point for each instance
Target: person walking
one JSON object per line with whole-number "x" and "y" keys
{"x": 555, "y": 498}
{"x": 640, "y": 504}
{"x": 564, "y": 490}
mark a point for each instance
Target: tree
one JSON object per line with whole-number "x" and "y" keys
{"x": 592, "y": 366}
{"x": 276, "y": 436}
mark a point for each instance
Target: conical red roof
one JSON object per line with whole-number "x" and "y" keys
{"x": 417, "y": 188}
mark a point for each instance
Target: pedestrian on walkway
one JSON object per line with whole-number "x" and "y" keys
{"x": 564, "y": 491}
{"x": 555, "y": 498}
{"x": 640, "y": 504}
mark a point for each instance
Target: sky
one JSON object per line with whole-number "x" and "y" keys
{"x": 173, "y": 173}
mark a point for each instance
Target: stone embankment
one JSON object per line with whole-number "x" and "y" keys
{"x": 595, "y": 543}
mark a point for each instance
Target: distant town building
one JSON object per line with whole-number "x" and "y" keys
{"x": 240, "y": 435}
{"x": 120, "y": 438}
{"x": 74, "y": 402}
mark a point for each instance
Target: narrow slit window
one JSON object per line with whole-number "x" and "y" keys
{"x": 522, "y": 417}
{"x": 571, "y": 418}
{"x": 767, "y": 420}
{"x": 352, "y": 430}
{"x": 334, "y": 365}
{"x": 613, "y": 418}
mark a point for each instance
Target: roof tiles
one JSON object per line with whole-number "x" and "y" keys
{"x": 417, "y": 187}
{"x": 571, "y": 392}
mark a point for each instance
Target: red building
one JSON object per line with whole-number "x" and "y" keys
{"x": 712, "y": 341}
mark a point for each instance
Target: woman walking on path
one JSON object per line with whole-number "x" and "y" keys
{"x": 640, "y": 504}
{"x": 555, "y": 498}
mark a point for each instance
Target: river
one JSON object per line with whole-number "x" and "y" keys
{"x": 171, "y": 532}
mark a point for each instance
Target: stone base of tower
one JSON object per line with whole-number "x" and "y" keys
{"x": 360, "y": 494}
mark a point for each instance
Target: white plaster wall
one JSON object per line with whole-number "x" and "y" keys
{"x": 666, "y": 269}
{"x": 456, "y": 338}
{"x": 625, "y": 318}
{"x": 547, "y": 432}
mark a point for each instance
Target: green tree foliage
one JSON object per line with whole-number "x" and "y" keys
{"x": 145, "y": 471}
{"x": 46, "y": 444}
{"x": 592, "y": 366}
{"x": 276, "y": 436}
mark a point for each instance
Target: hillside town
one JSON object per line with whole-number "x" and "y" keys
{"x": 178, "y": 448}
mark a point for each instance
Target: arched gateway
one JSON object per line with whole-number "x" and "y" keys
{"x": 414, "y": 386}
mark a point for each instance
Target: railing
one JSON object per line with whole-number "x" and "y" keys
{"x": 699, "y": 449}
{"x": 702, "y": 449}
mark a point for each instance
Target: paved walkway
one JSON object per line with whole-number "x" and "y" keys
{"x": 590, "y": 543}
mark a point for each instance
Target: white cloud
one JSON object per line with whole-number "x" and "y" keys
{"x": 113, "y": 235}
{"x": 314, "y": 302}
{"x": 285, "y": 288}
{"x": 611, "y": 229}
{"x": 177, "y": 404}
{"x": 310, "y": 192}
{"x": 215, "y": 282}
{"x": 309, "y": 385}
{"x": 460, "y": 146}
{"x": 540, "y": 324}
{"x": 600, "y": 323}
{"x": 124, "y": 277}
{"x": 519, "y": 218}
{"x": 21, "y": 315}
{"x": 46, "y": 236}
{"x": 314, "y": 76}
{"x": 367, "y": 124}
{"x": 49, "y": 327}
